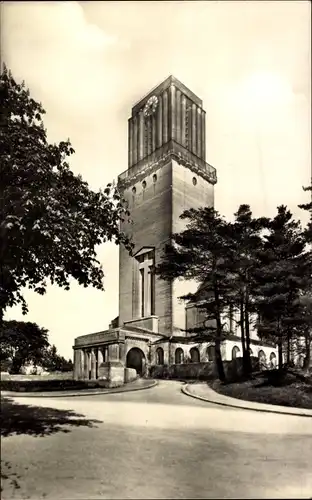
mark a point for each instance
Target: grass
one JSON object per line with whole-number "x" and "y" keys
{"x": 265, "y": 387}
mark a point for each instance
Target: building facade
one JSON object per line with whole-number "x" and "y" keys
{"x": 167, "y": 174}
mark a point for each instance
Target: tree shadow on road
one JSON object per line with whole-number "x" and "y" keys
{"x": 38, "y": 421}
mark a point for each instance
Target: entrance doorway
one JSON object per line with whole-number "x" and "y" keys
{"x": 136, "y": 360}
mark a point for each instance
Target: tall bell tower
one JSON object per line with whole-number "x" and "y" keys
{"x": 167, "y": 174}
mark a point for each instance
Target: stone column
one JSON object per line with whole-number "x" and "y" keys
{"x": 86, "y": 364}
{"x": 159, "y": 125}
{"x": 135, "y": 140}
{"x": 141, "y": 136}
{"x": 113, "y": 351}
{"x": 173, "y": 113}
{"x": 147, "y": 293}
{"x": 100, "y": 356}
{"x": 153, "y": 133}
{"x": 203, "y": 135}
{"x": 122, "y": 352}
{"x": 193, "y": 126}
{"x": 149, "y": 135}
{"x": 76, "y": 366}
{"x": 178, "y": 115}
{"x": 165, "y": 117}
{"x": 93, "y": 365}
{"x": 130, "y": 143}
{"x": 183, "y": 119}
{"x": 198, "y": 145}
{"x": 80, "y": 361}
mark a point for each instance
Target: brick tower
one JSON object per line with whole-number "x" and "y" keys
{"x": 167, "y": 174}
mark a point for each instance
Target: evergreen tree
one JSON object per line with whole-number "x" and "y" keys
{"x": 279, "y": 277}
{"x": 202, "y": 253}
{"x": 306, "y": 294}
{"x": 308, "y": 208}
{"x": 247, "y": 240}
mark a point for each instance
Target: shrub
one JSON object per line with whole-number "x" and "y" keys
{"x": 49, "y": 385}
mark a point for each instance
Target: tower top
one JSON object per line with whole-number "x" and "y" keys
{"x": 169, "y": 122}
{"x": 161, "y": 87}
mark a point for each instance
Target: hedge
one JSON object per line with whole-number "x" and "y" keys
{"x": 49, "y": 385}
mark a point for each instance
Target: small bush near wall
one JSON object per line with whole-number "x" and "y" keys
{"x": 202, "y": 371}
{"x": 43, "y": 377}
{"x": 48, "y": 385}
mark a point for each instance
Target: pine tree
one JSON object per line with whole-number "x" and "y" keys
{"x": 202, "y": 252}
{"x": 247, "y": 240}
{"x": 279, "y": 278}
{"x": 306, "y": 294}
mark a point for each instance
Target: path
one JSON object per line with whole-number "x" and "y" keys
{"x": 155, "y": 443}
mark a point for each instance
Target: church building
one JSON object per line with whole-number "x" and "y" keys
{"x": 167, "y": 173}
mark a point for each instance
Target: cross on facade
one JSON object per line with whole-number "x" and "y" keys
{"x": 146, "y": 284}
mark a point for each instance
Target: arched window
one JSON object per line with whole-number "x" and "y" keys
{"x": 235, "y": 352}
{"x": 178, "y": 356}
{"x": 211, "y": 353}
{"x": 272, "y": 360}
{"x": 195, "y": 357}
{"x": 160, "y": 356}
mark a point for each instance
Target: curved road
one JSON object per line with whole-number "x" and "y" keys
{"x": 154, "y": 443}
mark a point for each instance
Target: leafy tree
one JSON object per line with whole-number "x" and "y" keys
{"x": 22, "y": 342}
{"x": 50, "y": 221}
{"x": 52, "y": 361}
{"x": 279, "y": 279}
{"x": 202, "y": 253}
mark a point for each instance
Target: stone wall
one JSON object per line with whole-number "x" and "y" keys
{"x": 150, "y": 209}
{"x": 188, "y": 191}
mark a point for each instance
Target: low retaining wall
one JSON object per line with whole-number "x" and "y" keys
{"x": 201, "y": 371}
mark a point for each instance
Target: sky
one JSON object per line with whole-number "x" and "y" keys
{"x": 89, "y": 62}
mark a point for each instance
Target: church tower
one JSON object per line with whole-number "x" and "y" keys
{"x": 167, "y": 174}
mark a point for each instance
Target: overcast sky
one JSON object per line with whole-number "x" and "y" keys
{"x": 88, "y": 62}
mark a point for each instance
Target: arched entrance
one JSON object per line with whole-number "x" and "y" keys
{"x": 136, "y": 359}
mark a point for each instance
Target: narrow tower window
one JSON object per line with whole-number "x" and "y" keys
{"x": 146, "y": 292}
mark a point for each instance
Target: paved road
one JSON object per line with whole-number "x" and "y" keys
{"x": 156, "y": 443}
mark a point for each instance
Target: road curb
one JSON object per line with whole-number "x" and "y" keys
{"x": 104, "y": 392}
{"x": 185, "y": 391}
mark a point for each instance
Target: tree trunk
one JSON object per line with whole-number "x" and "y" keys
{"x": 243, "y": 338}
{"x": 17, "y": 364}
{"x": 218, "y": 355}
{"x": 307, "y": 366}
{"x": 280, "y": 354}
{"x": 218, "y": 359}
{"x": 288, "y": 347}
{"x": 247, "y": 330}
